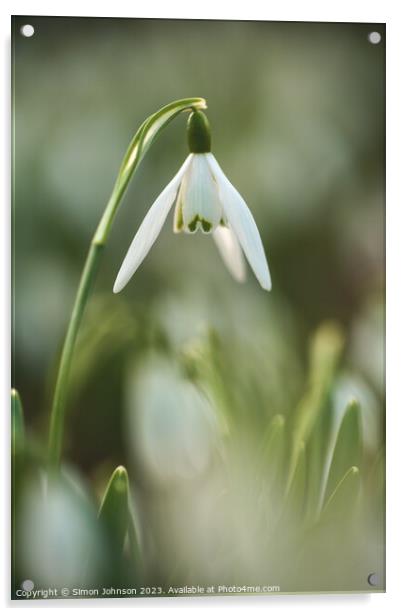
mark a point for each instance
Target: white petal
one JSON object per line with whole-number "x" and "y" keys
{"x": 149, "y": 229}
{"x": 199, "y": 195}
{"x": 230, "y": 252}
{"x": 242, "y": 223}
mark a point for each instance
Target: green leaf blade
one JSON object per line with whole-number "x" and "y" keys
{"x": 348, "y": 447}
{"x": 273, "y": 455}
{"x": 17, "y": 423}
{"x": 273, "y": 447}
{"x": 296, "y": 490}
{"x": 342, "y": 503}
{"x": 114, "y": 510}
{"x": 325, "y": 351}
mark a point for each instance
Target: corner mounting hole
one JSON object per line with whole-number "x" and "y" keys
{"x": 27, "y": 30}
{"x": 374, "y": 38}
{"x": 27, "y": 585}
{"x": 372, "y": 579}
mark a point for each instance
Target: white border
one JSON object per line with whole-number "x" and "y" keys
{"x": 308, "y": 10}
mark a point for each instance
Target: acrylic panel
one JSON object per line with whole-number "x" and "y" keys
{"x": 198, "y": 308}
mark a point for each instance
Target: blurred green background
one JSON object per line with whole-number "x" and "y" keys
{"x": 297, "y": 118}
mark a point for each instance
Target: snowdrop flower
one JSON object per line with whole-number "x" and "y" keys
{"x": 205, "y": 200}
{"x": 171, "y": 426}
{"x": 59, "y": 538}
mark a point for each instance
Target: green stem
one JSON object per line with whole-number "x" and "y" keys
{"x": 142, "y": 140}
{"x": 59, "y": 399}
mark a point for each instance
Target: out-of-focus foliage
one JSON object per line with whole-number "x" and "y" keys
{"x": 262, "y": 462}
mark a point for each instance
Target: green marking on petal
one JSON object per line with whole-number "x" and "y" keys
{"x": 206, "y": 226}
{"x": 178, "y": 222}
{"x": 192, "y": 226}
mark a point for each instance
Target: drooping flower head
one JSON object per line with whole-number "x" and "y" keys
{"x": 204, "y": 200}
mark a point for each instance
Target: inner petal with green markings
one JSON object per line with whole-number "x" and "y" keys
{"x": 198, "y": 205}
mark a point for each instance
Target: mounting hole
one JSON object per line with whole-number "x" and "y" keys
{"x": 374, "y": 38}
{"x": 28, "y": 585}
{"x": 27, "y": 30}
{"x": 373, "y": 579}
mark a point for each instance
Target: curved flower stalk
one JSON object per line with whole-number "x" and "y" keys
{"x": 204, "y": 199}
{"x": 142, "y": 140}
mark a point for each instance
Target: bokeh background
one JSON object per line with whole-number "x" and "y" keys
{"x": 297, "y": 118}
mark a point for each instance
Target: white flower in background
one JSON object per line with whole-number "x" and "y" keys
{"x": 349, "y": 386}
{"x": 206, "y": 200}
{"x": 59, "y": 541}
{"x": 171, "y": 426}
